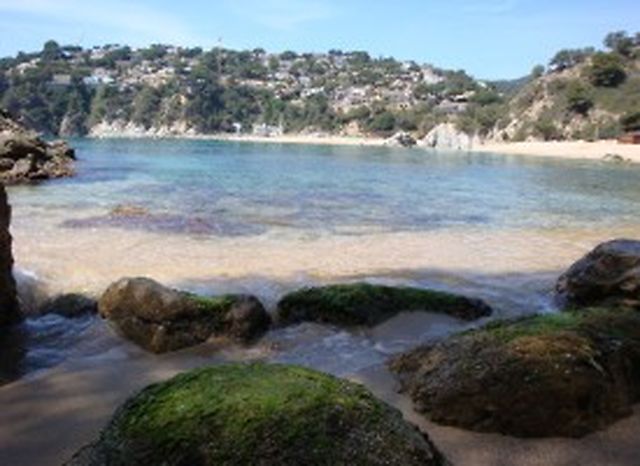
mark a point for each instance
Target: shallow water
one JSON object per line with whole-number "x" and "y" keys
{"x": 217, "y": 217}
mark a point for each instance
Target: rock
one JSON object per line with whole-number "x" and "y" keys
{"x": 369, "y": 305}
{"x": 129, "y": 210}
{"x": 607, "y": 276}
{"x": 162, "y": 319}
{"x": 401, "y": 139}
{"x": 258, "y": 414}
{"x": 9, "y": 309}
{"x": 26, "y": 157}
{"x": 70, "y": 305}
{"x": 615, "y": 158}
{"x": 6, "y": 164}
{"x": 566, "y": 374}
{"x": 447, "y": 136}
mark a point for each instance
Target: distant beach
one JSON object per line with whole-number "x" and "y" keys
{"x": 563, "y": 149}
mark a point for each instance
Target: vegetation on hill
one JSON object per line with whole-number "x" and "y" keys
{"x": 584, "y": 94}
{"x": 68, "y": 90}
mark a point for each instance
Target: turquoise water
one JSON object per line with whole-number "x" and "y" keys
{"x": 229, "y": 189}
{"x": 293, "y": 194}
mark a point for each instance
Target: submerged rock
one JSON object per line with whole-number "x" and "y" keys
{"x": 9, "y": 309}
{"x": 258, "y": 414}
{"x": 607, "y": 276}
{"x": 162, "y": 319}
{"x": 70, "y": 305}
{"x": 26, "y": 157}
{"x": 566, "y": 374}
{"x": 369, "y": 305}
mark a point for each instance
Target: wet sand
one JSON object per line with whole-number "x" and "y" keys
{"x": 87, "y": 260}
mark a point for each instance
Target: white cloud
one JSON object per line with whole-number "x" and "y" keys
{"x": 135, "y": 20}
{"x": 283, "y": 14}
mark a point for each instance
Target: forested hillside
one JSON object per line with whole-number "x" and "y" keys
{"x": 164, "y": 90}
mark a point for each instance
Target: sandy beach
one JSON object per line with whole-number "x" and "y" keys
{"x": 565, "y": 149}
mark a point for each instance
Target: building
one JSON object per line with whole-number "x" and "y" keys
{"x": 632, "y": 137}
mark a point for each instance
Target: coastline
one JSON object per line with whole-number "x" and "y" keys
{"x": 565, "y": 149}
{"x": 559, "y": 149}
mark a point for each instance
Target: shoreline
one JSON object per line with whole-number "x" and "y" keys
{"x": 574, "y": 150}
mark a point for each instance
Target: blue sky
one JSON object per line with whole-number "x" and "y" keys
{"x": 488, "y": 38}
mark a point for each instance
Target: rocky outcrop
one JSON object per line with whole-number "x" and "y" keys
{"x": 607, "y": 276}
{"x": 363, "y": 304}
{"x": 26, "y": 157}
{"x": 401, "y": 139}
{"x": 447, "y": 136}
{"x": 258, "y": 414}
{"x": 127, "y": 129}
{"x": 566, "y": 374}
{"x": 9, "y": 309}
{"x": 162, "y": 319}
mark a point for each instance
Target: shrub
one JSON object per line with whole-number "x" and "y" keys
{"x": 579, "y": 98}
{"x": 606, "y": 70}
{"x": 546, "y": 128}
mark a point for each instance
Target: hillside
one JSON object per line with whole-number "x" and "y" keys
{"x": 171, "y": 90}
{"x": 163, "y": 90}
{"x": 596, "y": 96}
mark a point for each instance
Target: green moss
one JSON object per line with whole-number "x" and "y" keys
{"x": 613, "y": 323}
{"x": 213, "y": 304}
{"x": 249, "y": 414}
{"x": 367, "y": 304}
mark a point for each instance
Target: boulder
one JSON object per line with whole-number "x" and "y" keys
{"x": 70, "y": 305}
{"x": 566, "y": 374}
{"x": 607, "y": 276}
{"x": 9, "y": 309}
{"x": 258, "y": 414}
{"x": 162, "y": 319}
{"x": 447, "y": 136}
{"x": 25, "y": 157}
{"x": 364, "y": 304}
{"x": 401, "y": 139}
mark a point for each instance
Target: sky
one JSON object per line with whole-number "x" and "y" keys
{"x": 491, "y": 39}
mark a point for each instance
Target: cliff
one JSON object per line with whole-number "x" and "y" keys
{"x": 25, "y": 157}
{"x": 9, "y": 310}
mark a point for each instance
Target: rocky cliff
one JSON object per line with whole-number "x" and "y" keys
{"x": 25, "y": 157}
{"x": 9, "y": 312}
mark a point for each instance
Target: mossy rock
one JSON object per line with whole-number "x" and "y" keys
{"x": 258, "y": 414}
{"x": 563, "y": 374}
{"x": 162, "y": 319}
{"x": 364, "y": 304}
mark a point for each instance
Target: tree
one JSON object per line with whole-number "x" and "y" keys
{"x": 51, "y": 51}
{"x": 631, "y": 121}
{"x": 146, "y": 107}
{"x": 537, "y": 71}
{"x": 569, "y": 58}
{"x": 579, "y": 98}
{"x": 619, "y": 42}
{"x": 383, "y": 122}
{"x": 606, "y": 70}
